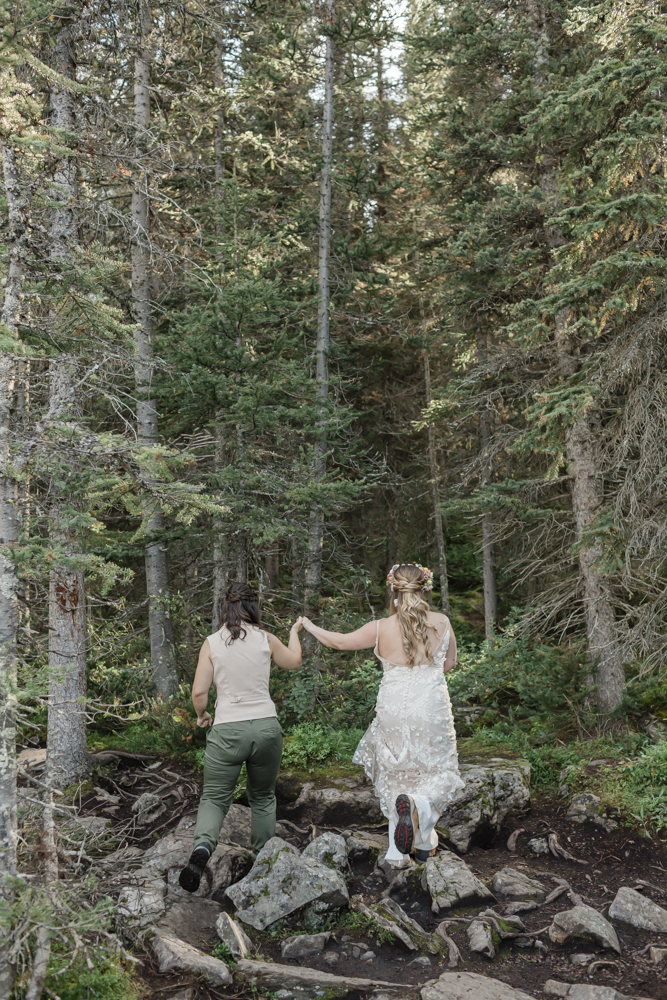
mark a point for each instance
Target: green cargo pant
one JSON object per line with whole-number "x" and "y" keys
{"x": 258, "y": 743}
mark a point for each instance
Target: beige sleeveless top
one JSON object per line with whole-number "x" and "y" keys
{"x": 241, "y": 676}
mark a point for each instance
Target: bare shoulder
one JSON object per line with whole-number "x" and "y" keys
{"x": 440, "y": 621}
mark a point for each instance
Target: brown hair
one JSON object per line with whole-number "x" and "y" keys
{"x": 407, "y": 589}
{"x": 241, "y": 605}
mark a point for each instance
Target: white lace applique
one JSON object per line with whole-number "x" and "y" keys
{"x": 410, "y": 745}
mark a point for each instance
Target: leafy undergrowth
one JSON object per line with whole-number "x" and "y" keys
{"x": 110, "y": 981}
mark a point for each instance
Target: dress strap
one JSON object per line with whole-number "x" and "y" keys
{"x": 377, "y": 637}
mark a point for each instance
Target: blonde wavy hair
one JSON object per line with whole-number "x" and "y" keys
{"x": 407, "y": 590}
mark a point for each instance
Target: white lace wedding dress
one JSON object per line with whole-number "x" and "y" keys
{"x": 410, "y": 746}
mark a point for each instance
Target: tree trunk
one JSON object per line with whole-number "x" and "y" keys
{"x": 488, "y": 542}
{"x": 66, "y": 733}
{"x": 587, "y": 494}
{"x": 316, "y": 524}
{"x": 15, "y": 194}
{"x": 435, "y": 495}
{"x": 219, "y": 544}
{"x": 163, "y": 652}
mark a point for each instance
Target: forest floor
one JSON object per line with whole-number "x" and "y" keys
{"x": 612, "y": 860}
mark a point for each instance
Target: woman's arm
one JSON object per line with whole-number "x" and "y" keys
{"x": 202, "y": 685}
{"x": 450, "y": 659}
{"x": 363, "y": 638}
{"x": 288, "y": 657}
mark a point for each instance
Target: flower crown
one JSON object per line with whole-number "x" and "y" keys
{"x": 427, "y": 575}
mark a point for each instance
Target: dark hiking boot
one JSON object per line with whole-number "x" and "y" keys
{"x": 422, "y": 854}
{"x": 190, "y": 876}
{"x": 408, "y": 823}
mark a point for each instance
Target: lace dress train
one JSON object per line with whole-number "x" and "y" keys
{"x": 410, "y": 746}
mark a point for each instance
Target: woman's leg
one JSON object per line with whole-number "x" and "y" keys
{"x": 426, "y": 836}
{"x": 263, "y": 764}
{"x": 227, "y": 746}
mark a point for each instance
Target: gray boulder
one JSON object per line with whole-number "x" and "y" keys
{"x": 361, "y": 844}
{"x": 586, "y": 806}
{"x": 511, "y": 884}
{"x": 233, "y": 936}
{"x": 480, "y": 938}
{"x": 470, "y": 986}
{"x": 630, "y": 907}
{"x": 169, "y": 854}
{"x": 191, "y": 919}
{"x": 580, "y": 991}
{"x": 493, "y": 789}
{"x": 282, "y": 882}
{"x": 235, "y": 829}
{"x": 140, "y": 906}
{"x": 329, "y": 849}
{"x": 304, "y": 945}
{"x": 273, "y": 976}
{"x": 449, "y": 881}
{"x": 335, "y": 806}
{"x": 584, "y": 921}
{"x": 172, "y": 953}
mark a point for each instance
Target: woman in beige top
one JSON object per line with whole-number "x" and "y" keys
{"x": 245, "y": 730}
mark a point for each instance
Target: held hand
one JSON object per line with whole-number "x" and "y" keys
{"x": 297, "y": 626}
{"x": 307, "y": 624}
{"x": 204, "y": 720}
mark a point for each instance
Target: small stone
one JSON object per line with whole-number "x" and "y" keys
{"x": 356, "y": 951}
{"x": 584, "y": 921}
{"x": 329, "y": 849}
{"x": 304, "y": 945}
{"x": 581, "y": 959}
{"x": 148, "y": 807}
{"x": 511, "y": 884}
{"x": 657, "y": 955}
{"x": 331, "y": 957}
{"x": 632, "y": 908}
{"x": 423, "y": 962}
{"x": 586, "y": 806}
{"x": 368, "y": 956}
{"x": 562, "y": 791}
{"x": 233, "y": 936}
{"x": 513, "y": 908}
{"x": 187, "y": 994}
{"x": 480, "y": 938}
{"x": 539, "y": 845}
{"x": 345, "y": 937}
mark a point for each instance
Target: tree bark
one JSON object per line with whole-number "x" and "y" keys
{"x": 435, "y": 495}
{"x": 316, "y": 524}
{"x": 66, "y": 733}
{"x": 163, "y": 652}
{"x": 16, "y": 197}
{"x": 220, "y": 545}
{"x": 488, "y": 542}
{"x": 582, "y": 449}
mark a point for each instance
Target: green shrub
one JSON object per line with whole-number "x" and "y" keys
{"x": 310, "y": 744}
{"x": 649, "y": 772}
{"x": 104, "y": 982}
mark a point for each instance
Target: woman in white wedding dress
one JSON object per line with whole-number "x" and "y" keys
{"x": 409, "y": 750}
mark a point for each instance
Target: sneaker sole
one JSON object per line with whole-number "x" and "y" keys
{"x": 190, "y": 878}
{"x": 404, "y": 835}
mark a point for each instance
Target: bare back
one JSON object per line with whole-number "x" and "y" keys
{"x": 390, "y": 643}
